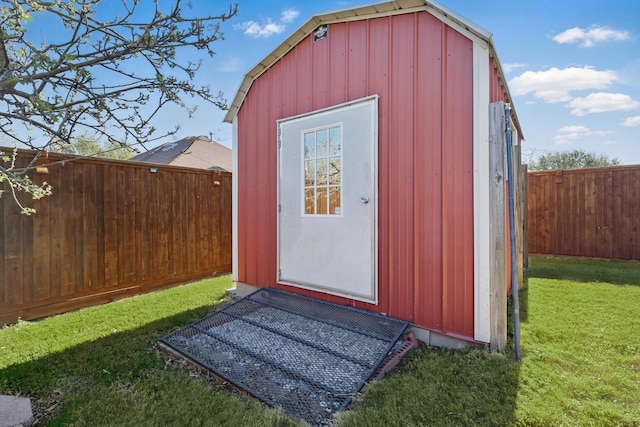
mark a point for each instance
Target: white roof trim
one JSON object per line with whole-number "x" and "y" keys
{"x": 390, "y": 8}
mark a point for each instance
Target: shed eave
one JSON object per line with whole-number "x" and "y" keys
{"x": 503, "y": 82}
{"x": 470, "y": 26}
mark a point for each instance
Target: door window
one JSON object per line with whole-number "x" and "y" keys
{"x": 322, "y": 171}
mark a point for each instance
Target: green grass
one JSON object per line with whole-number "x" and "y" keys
{"x": 585, "y": 270}
{"x": 580, "y": 346}
{"x": 442, "y": 387}
{"x": 580, "y": 360}
{"x": 98, "y": 366}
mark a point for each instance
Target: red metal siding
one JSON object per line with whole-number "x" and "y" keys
{"x": 496, "y": 92}
{"x": 457, "y": 188}
{"x": 401, "y": 142}
{"x": 379, "y": 70}
{"x": 337, "y": 66}
{"x": 428, "y": 169}
{"x": 265, "y": 220}
{"x": 422, "y": 71}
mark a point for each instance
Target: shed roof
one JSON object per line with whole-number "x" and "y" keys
{"x": 395, "y": 7}
{"x": 193, "y": 151}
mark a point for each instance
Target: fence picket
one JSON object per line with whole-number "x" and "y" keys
{"x": 587, "y": 212}
{"x": 110, "y": 230}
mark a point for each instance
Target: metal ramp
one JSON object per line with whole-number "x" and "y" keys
{"x": 306, "y": 356}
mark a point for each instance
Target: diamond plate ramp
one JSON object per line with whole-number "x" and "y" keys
{"x": 306, "y": 356}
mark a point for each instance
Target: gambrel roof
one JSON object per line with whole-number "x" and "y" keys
{"x": 397, "y": 7}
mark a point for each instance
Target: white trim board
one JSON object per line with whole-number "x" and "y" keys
{"x": 234, "y": 202}
{"x": 481, "y": 222}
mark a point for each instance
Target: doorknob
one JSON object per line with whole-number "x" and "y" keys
{"x": 364, "y": 200}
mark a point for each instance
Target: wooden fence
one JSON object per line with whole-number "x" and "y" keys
{"x": 585, "y": 212}
{"x": 110, "y": 229}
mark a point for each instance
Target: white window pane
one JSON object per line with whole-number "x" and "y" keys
{"x": 322, "y": 175}
{"x": 334, "y": 200}
{"x": 309, "y": 145}
{"x": 321, "y": 172}
{"x": 309, "y": 201}
{"x": 309, "y": 173}
{"x": 321, "y": 201}
{"x": 321, "y": 143}
{"x": 335, "y": 141}
{"x": 335, "y": 171}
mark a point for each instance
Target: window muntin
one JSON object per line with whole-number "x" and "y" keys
{"x": 322, "y": 171}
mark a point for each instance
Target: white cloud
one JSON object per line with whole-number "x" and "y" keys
{"x": 632, "y": 121}
{"x": 260, "y": 31}
{"x": 267, "y": 28}
{"x": 509, "y": 67}
{"x": 588, "y": 37}
{"x": 566, "y": 134}
{"x": 602, "y": 102}
{"x": 288, "y": 15}
{"x": 553, "y": 85}
{"x": 574, "y": 129}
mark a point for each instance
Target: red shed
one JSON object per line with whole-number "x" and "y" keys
{"x": 362, "y": 172}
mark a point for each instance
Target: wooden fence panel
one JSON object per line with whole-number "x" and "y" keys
{"x": 111, "y": 229}
{"x": 585, "y": 212}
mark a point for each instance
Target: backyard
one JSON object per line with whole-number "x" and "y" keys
{"x": 580, "y": 366}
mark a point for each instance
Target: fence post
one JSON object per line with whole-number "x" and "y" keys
{"x": 519, "y": 212}
{"x": 525, "y": 216}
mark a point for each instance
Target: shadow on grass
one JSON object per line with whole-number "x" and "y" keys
{"x": 442, "y": 387}
{"x": 436, "y": 386}
{"x": 523, "y": 299}
{"x": 618, "y": 272}
{"x": 122, "y": 379}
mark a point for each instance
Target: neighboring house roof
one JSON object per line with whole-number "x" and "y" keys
{"x": 194, "y": 152}
{"x": 395, "y": 7}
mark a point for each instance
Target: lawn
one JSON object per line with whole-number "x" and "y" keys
{"x": 580, "y": 345}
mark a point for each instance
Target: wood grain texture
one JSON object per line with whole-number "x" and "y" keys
{"x": 110, "y": 229}
{"x": 497, "y": 228}
{"x": 585, "y": 212}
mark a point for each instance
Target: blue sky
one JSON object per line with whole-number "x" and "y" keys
{"x": 573, "y": 67}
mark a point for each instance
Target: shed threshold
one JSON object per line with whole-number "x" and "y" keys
{"x": 305, "y": 356}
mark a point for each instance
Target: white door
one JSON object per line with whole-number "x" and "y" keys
{"x": 327, "y": 191}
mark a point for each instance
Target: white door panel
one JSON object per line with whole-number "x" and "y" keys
{"x": 327, "y": 200}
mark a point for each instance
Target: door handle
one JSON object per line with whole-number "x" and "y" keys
{"x": 364, "y": 200}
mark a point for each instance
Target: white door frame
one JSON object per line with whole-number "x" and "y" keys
{"x": 373, "y": 99}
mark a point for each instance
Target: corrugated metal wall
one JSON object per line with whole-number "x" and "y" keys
{"x": 422, "y": 71}
{"x": 496, "y": 91}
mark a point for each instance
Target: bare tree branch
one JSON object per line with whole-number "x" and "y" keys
{"x": 104, "y": 75}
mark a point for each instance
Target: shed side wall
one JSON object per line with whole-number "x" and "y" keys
{"x": 422, "y": 71}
